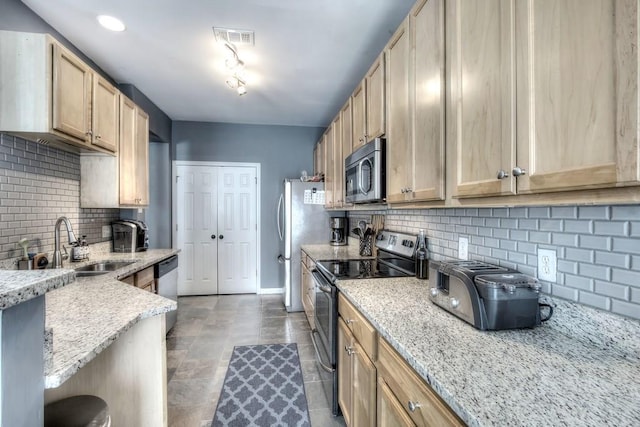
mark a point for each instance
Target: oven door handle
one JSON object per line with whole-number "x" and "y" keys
{"x": 318, "y": 358}
{"x": 321, "y": 281}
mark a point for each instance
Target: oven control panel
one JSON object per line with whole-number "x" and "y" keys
{"x": 397, "y": 243}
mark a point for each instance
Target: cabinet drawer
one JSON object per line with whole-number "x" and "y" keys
{"x": 362, "y": 330}
{"x": 407, "y": 386}
{"x": 144, "y": 278}
{"x": 129, "y": 280}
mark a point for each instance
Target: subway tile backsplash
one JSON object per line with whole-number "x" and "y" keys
{"x": 38, "y": 184}
{"x": 597, "y": 247}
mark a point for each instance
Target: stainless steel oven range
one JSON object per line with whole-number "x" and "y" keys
{"x": 395, "y": 259}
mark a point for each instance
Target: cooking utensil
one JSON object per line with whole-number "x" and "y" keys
{"x": 357, "y": 231}
{"x": 25, "y": 244}
{"x": 362, "y": 225}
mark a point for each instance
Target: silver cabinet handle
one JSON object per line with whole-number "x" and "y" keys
{"x": 349, "y": 350}
{"x": 413, "y": 406}
{"x": 518, "y": 171}
{"x": 349, "y": 321}
{"x": 502, "y": 174}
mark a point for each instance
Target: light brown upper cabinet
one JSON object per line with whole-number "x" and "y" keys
{"x": 329, "y": 175}
{"x": 346, "y": 130}
{"x": 338, "y": 163}
{"x": 51, "y": 96}
{"x": 106, "y": 114}
{"x": 368, "y": 105}
{"x": 122, "y": 181}
{"x": 416, "y": 105}
{"x": 543, "y": 96}
{"x": 134, "y": 155}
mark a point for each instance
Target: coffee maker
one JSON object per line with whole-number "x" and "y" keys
{"x": 339, "y": 231}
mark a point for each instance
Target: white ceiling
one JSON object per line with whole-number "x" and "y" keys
{"x": 308, "y": 54}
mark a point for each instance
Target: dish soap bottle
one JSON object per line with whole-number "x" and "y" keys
{"x": 422, "y": 262}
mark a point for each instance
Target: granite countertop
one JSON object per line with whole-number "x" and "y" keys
{"x": 581, "y": 368}
{"x": 18, "y": 286}
{"x": 326, "y": 252}
{"x": 91, "y": 313}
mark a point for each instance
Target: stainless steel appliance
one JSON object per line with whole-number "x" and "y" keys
{"x": 395, "y": 259}
{"x": 365, "y": 173}
{"x": 301, "y": 220}
{"x": 166, "y": 275}
{"x": 339, "y": 230}
{"x": 129, "y": 235}
{"x": 487, "y": 296}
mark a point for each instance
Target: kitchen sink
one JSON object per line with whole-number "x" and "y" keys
{"x": 101, "y": 268}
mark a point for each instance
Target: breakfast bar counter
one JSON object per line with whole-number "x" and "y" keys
{"x": 581, "y": 368}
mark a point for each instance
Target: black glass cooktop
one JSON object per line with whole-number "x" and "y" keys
{"x": 359, "y": 269}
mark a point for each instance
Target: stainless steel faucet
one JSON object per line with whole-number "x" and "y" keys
{"x": 57, "y": 256}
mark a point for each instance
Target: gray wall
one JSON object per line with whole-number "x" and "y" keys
{"x": 158, "y": 216}
{"x": 597, "y": 247}
{"x": 282, "y": 151}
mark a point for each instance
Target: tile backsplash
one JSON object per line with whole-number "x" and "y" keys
{"x": 38, "y": 184}
{"x": 597, "y": 247}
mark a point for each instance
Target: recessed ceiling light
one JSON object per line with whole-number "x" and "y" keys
{"x": 111, "y": 23}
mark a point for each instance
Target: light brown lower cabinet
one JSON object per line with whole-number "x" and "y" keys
{"x": 356, "y": 367}
{"x": 307, "y": 288}
{"x": 391, "y": 413}
{"x": 142, "y": 279}
{"x": 356, "y": 380}
{"x": 406, "y": 394}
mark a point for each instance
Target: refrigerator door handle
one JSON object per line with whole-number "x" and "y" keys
{"x": 280, "y": 203}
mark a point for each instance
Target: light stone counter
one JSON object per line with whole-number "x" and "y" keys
{"x": 326, "y": 252}
{"x": 18, "y": 286}
{"x": 90, "y": 314}
{"x": 581, "y": 368}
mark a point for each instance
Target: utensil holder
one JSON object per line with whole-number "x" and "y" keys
{"x": 366, "y": 244}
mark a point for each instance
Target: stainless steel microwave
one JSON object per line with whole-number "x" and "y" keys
{"x": 365, "y": 173}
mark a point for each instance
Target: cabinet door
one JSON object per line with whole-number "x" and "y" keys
{"x": 346, "y": 131}
{"x": 390, "y": 412}
{"x": 71, "y": 94}
{"x": 399, "y": 147}
{"x": 329, "y": 175}
{"x": 126, "y": 155}
{"x": 142, "y": 157}
{"x": 481, "y": 105}
{"x": 345, "y": 343}
{"x": 375, "y": 100}
{"x": 338, "y": 163}
{"x": 359, "y": 111}
{"x": 364, "y": 388}
{"x": 105, "y": 114}
{"x": 577, "y": 94}
{"x": 427, "y": 87}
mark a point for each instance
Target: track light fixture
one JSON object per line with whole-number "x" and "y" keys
{"x": 236, "y": 67}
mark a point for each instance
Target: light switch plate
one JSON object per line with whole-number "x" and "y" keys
{"x": 547, "y": 265}
{"x": 106, "y": 231}
{"x": 463, "y": 248}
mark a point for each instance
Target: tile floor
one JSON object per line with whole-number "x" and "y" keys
{"x": 199, "y": 348}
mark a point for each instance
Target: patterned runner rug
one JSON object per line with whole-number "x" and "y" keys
{"x": 263, "y": 387}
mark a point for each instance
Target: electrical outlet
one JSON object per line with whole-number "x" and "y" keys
{"x": 463, "y": 248}
{"x": 106, "y": 231}
{"x": 547, "y": 265}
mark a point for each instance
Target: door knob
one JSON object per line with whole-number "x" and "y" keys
{"x": 221, "y": 237}
{"x": 518, "y": 171}
{"x": 213, "y": 236}
{"x": 502, "y": 174}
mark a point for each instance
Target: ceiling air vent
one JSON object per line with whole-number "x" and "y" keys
{"x": 237, "y": 37}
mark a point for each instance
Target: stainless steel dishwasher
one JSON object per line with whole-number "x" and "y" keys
{"x": 166, "y": 274}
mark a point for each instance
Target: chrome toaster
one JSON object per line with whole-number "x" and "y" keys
{"x": 487, "y": 296}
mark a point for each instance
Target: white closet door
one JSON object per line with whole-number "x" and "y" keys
{"x": 237, "y": 228}
{"x": 216, "y": 229}
{"x": 196, "y": 235}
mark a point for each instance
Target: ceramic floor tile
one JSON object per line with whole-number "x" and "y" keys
{"x": 200, "y": 346}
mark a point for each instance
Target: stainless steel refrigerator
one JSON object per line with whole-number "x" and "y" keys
{"x": 302, "y": 220}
